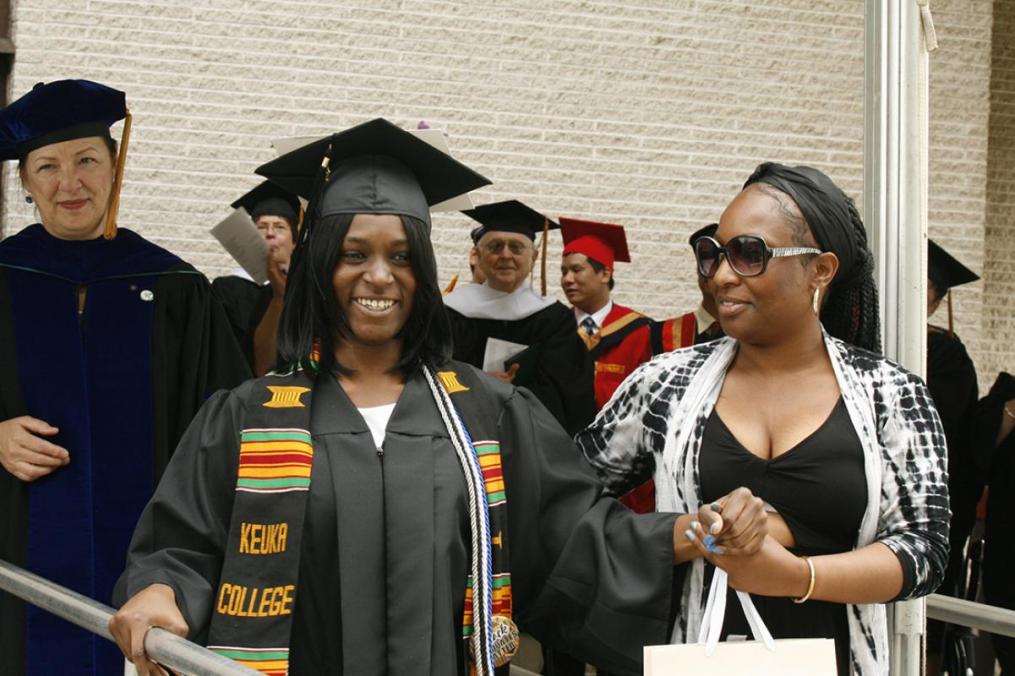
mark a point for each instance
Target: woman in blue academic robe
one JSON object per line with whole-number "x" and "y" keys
{"x": 108, "y": 346}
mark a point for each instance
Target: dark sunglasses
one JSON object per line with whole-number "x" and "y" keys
{"x": 748, "y": 254}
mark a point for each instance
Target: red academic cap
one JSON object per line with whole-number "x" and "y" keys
{"x": 602, "y": 242}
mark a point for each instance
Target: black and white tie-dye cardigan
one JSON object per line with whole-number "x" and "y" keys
{"x": 652, "y": 428}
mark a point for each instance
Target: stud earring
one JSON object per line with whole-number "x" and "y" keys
{"x": 817, "y": 301}
{"x": 28, "y": 199}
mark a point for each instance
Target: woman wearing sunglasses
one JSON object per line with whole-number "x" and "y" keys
{"x": 796, "y": 405}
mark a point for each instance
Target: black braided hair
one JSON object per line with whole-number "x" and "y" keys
{"x": 850, "y": 311}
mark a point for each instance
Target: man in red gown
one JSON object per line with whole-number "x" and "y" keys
{"x": 617, "y": 337}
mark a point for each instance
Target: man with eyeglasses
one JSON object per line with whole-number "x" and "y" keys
{"x": 504, "y": 327}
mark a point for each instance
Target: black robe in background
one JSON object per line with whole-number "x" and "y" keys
{"x": 997, "y": 463}
{"x": 157, "y": 345}
{"x": 951, "y": 379}
{"x": 245, "y": 302}
{"x": 564, "y": 379}
{"x": 385, "y": 548}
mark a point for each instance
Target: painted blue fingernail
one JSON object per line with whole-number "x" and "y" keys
{"x": 716, "y": 507}
{"x": 709, "y": 541}
{"x": 689, "y": 534}
{"x": 694, "y": 525}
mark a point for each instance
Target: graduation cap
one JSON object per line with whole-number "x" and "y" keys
{"x": 268, "y": 199}
{"x": 604, "y": 243}
{"x": 945, "y": 271}
{"x": 512, "y": 216}
{"x": 62, "y": 111}
{"x": 509, "y": 216}
{"x": 374, "y": 167}
{"x": 707, "y": 231}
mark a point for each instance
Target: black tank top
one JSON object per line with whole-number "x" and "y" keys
{"x": 819, "y": 487}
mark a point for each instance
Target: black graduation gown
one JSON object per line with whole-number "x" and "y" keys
{"x": 997, "y": 462}
{"x": 951, "y": 379}
{"x": 245, "y": 303}
{"x": 122, "y": 383}
{"x": 385, "y": 549}
{"x": 564, "y": 379}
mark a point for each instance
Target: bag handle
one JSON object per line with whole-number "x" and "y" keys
{"x": 715, "y": 613}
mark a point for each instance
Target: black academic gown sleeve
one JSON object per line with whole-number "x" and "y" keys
{"x": 591, "y": 577}
{"x": 951, "y": 379}
{"x": 245, "y": 303}
{"x": 180, "y": 538}
{"x": 997, "y": 462}
{"x": 564, "y": 378}
{"x": 194, "y": 355}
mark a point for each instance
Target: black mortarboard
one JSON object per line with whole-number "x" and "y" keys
{"x": 707, "y": 231}
{"x": 268, "y": 199}
{"x": 58, "y": 111}
{"x": 374, "y": 167}
{"x": 945, "y": 270}
{"x": 509, "y": 216}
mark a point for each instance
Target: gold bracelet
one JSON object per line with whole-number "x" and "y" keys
{"x": 810, "y": 587}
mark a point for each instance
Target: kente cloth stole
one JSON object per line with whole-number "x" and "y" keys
{"x": 252, "y": 610}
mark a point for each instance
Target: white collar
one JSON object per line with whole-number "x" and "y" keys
{"x": 479, "y": 301}
{"x": 599, "y": 316}
{"x": 702, "y": 319}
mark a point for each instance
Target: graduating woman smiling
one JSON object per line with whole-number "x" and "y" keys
{"x": 373, "y": 507}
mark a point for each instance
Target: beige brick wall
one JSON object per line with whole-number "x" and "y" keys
{"x": 998, "y": 353}
{"x": 648, "y": 113}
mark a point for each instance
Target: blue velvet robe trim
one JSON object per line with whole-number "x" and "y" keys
{"x": 91, "y": 378}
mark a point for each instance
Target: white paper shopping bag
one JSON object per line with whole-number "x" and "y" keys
{"x": 763, "y": 656}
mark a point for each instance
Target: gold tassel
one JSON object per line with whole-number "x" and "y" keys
{"x": 542, "y": 270}
{"x": 451, "y": 286}
{"x": 109, "y": 231}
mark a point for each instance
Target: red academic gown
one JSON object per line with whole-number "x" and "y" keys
{"x": 620, "y": 346}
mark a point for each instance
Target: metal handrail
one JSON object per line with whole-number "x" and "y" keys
{"x": 162, "y": 646}
{"x": 1000, "y": 621}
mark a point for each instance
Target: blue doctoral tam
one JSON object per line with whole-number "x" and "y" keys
{"x": 58, "y": 111}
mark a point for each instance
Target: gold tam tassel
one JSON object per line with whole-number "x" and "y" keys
{"x": 109, "y": 231}
{"x": 451, "y": 286}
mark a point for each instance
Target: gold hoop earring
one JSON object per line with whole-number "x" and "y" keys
{"x": 817, "y": 301}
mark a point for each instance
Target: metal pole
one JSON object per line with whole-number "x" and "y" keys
{"x": 895, "y": 212}
{"x": 999, "y": 621}
{"x": 165, "y": 648}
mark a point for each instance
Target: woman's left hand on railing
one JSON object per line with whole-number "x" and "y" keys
{"x": 153, "y": 606}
